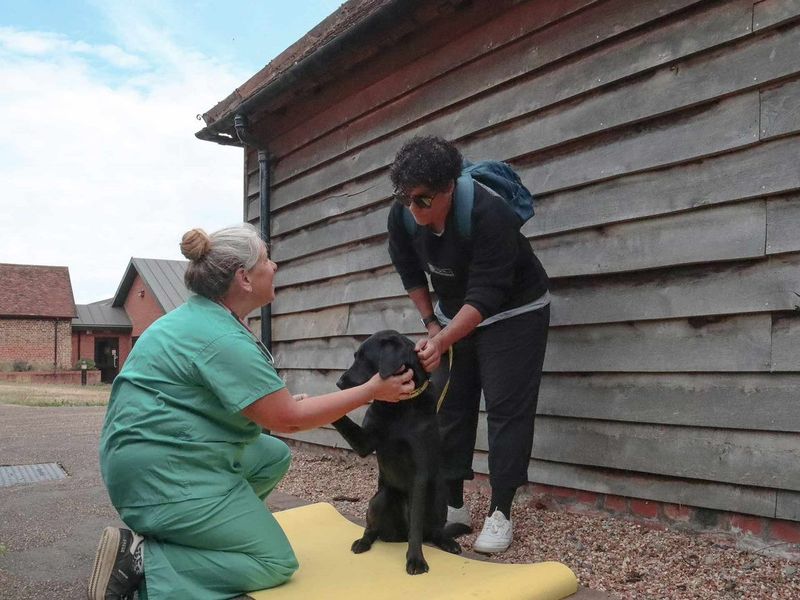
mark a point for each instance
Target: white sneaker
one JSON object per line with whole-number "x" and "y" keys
{"x": 496, "y": 535}
{"x": 459, "y": 515}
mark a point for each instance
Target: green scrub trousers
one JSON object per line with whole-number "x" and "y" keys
{"x": 218, "y": 547}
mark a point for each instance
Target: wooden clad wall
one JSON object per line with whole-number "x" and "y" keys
{"x": 661, "y": 138}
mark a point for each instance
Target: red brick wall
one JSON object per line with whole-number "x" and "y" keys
{"x": 69, "y": 377}
{"x": 125, "y": 345}
{"x": 142, "y": 307}
{"x": 35, "y": 341}
{"x": 83, "y": 344}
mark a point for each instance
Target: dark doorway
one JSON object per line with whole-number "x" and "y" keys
{"x": 106, "y": 358}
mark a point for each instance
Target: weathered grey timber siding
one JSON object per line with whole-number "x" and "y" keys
{"x": 661, "y": 138}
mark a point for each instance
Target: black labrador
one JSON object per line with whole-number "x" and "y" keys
{"x": 411, "y": 503}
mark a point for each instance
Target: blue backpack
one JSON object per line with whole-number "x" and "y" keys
{"x": 495, "y": 175}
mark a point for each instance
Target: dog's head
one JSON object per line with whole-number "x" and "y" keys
{"x": 385, "y": 352}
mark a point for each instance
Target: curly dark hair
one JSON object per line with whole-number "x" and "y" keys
{"x": 425, "y": 160}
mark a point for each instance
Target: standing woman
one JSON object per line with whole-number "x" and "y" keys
{"x": 181, "y": 451}
{"x": 493, "y": 309}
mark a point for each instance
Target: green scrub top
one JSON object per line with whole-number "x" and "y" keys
{"x": 174, "y": 429}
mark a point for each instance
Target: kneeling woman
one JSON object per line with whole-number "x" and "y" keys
{"x": 182, "y": 453}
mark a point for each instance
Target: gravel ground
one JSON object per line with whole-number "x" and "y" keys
{"x": 609, "y": 554}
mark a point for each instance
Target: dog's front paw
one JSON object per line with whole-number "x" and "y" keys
{"x": 360, "y": 545}
{"x": 416, "y": 565}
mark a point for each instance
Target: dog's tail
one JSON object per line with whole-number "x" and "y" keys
{"x": 454, "y": 530}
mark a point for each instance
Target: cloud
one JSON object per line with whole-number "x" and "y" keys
{"x": 43, "y": 44}
{"x": 98, "y": 159}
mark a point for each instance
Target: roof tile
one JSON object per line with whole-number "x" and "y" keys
{"x": 35, "y": 291}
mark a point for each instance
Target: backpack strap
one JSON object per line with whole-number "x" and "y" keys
{"x": 409, "y": 222}
{"x": 463, "y": 199}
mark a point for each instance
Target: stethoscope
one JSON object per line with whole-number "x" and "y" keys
{"x": 261, "y": 346}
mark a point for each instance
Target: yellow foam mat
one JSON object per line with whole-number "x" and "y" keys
{"x": 321, "y": 538}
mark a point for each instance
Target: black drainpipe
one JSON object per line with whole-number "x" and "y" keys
{"x": 240, "y": 123}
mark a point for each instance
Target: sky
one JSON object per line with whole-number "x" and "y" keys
{"x": 99, "y": 104}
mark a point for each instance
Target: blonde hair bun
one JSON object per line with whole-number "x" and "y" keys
{"x": 195, "y": 244}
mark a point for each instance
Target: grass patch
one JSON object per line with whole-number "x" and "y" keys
{"x": 40, "y": 394}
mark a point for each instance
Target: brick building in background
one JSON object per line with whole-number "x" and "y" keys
{"x": 105, "y": 331}
{"x": 36, "y": 312}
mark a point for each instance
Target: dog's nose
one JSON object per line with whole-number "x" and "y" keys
{"x": 341, "y": 383}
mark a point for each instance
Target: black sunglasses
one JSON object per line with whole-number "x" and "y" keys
{"x": 421, "y": 201}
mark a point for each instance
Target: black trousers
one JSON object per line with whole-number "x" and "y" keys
{"x": 505, "y": 360}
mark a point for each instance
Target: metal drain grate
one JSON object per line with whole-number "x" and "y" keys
{"x": 15, "y": 474}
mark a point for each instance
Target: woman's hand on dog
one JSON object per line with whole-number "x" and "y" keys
{"x": 392, "y": 389}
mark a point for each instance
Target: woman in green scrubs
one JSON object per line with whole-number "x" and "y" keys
{"x": 182, "y": 451}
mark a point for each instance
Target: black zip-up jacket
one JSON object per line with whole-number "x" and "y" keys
{"x": 493, "y": 270}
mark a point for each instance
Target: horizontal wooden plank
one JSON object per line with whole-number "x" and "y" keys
{"x": 783, "y": 224}
{"x": 786, "y": 339}
{"x": 780, "y": 108}
{"x": 488, "y": 45}
{"x": 360, "y": 319}
{"x": 334, "y": 353}
{"x": 763, "y": 459}
{"x": 674, "y": 86}
{"x": 751, "y": 62}
{"x": 252, "y": 184}
{"x": 787, "y": 505}
{"x": 657, "y": 94}
{"x": 739, "y": 343}
{"x": 608, "y": 20}
{"x": 310, "y": 381}
{"x": 494, "y": 110}
{"x": 732, "y": 288}
{"x": 748, "y": 287}
{"x": 727, "y": 289}
{"x": 701, "y": 400}
{"x": 768, "y": 13}
{"x": 721, "y": 400}
{"x": 612, "y": 64}
{"x": 353, "y": 227}
{"x": 351, "y": 196}
{"x": 349, "y": 289}
{"x": 252, "y": 209}
{"x": 322, "y": 323}
{"x": 752, "y": 172}
{"x": 724, "y": 232}
{"x": 710, "y": 129}
{"x": 364, "y": 256}
{"x": 686, "y": 492}
{"x": 716, "y": 233}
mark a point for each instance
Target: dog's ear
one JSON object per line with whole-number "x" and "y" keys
{"x": 393, "y": 356}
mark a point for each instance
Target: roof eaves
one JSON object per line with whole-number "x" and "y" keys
{"x": 355, "y": 23}
{"x": 124, "y": 285}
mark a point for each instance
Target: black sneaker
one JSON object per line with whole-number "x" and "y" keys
{"x": 114, "y": 576}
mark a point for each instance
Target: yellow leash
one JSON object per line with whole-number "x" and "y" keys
{"x": 447, "y": 383}
{"x": 419, "y": 390}
{"x": 425, "y": 385}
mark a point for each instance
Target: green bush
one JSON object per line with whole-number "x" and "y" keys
{"x": 22, "y": 365}
{"x": 89, "y": 364}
